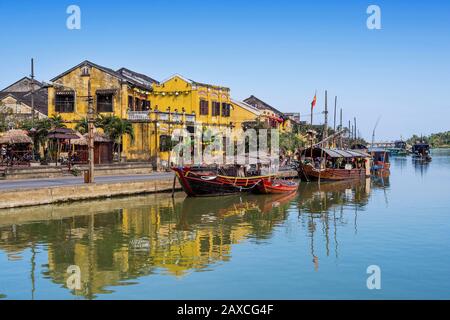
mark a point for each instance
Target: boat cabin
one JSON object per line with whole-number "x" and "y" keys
{"x": 335, "y": 158}
{"x": 421, "y": 149}
{"x": 380, "y": 157}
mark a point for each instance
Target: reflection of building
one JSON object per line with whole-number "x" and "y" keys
{"x": 148, "y": 235}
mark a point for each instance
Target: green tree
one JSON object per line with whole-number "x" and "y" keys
{"x": 115, "y": 128}
{"x": 56, "y": 121}
{"x": 82, "y": 126}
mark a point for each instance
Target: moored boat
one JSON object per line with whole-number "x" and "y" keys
{"x": 204, "y": 182}
{"x": 277, "y": 186}
{"x": 421, "y": 151}
{"x": 380, "y": 159}
{"x": 334, "y": 164}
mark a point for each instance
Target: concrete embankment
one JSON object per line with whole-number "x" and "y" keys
{"x": 48, "y": 195}
{"x": 33, "y": 196}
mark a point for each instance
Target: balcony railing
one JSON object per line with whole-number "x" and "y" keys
{"x": 138, "y": 115}
{"x": 190, "y": 118}
{"x": 163, "y": 116}
{"x": 177, "y": 117}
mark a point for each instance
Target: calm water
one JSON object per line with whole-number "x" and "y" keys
{"x": 315, "y": 244}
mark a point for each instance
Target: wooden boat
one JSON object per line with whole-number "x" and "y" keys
{"x": 380, "y": 159}
{"x": 204, "y": 182}
{"x": 400, "y": 149}
{"x": 276, "y": 186}
{"x": 421, "y": 151}
{"x": 334, "y": 164}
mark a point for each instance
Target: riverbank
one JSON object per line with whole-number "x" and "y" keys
{"x": 33, "y": 192}
{"x": 23, "y": 197}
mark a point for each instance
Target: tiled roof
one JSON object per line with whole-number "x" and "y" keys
{"x": 261, "y": 105}
{"x": 40, "y": 99}
{"x": 123, "y": 74}
{"x": 137, "y": 79}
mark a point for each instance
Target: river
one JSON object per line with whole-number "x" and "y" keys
{"x": 316, "y": 244}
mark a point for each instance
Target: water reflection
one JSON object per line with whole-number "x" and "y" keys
{"x": 115, "y": 242}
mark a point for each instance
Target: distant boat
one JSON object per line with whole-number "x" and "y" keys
{"x": 204, "y": 181}
{"x": 380, "y": 158}
{"x": 421, "y": 151}
{"x": 400, "y": 148}
{"x": 334, "y": 164}
{"x": 277, "y": 186}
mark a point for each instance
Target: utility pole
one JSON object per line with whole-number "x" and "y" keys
{"x": 335, "y": 105}
{"x": 32, "y": 92}
{"x": 350, "y": 132}
{"x": 340, "y": 126}
{"x": 334, "y": 120}
{"x": 90, "y": 133}
{"x": 325, "y": 127}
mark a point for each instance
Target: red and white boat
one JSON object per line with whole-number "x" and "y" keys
{"x": 277, "y": 186}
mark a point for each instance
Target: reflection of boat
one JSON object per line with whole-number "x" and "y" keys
{"x": 193, "y": 209}
{"x": 277, "y": 186}
{"x": 201, "y": 182}
{"x": 335, "y": 164}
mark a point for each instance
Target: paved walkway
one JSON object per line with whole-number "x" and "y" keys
{"x": 67, "y": 181}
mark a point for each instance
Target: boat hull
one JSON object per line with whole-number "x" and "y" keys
{"x": 276, "y": 187}
{"x": 197, "y": 184}
{"x": 330, "y": 174}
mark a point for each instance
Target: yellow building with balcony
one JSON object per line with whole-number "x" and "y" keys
{"x": 155, "y": 109}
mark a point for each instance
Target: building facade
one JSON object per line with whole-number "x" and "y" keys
{"x": 155, "y": 109}
{"x": 17, "y": 99}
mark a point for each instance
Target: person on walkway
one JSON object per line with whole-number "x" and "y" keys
{"x": 2, "y": 153}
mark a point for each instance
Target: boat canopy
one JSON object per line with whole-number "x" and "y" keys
{"x": 336, "y": 153}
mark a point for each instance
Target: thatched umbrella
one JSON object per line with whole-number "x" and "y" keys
{"x": 59, "y": 134}
{"x": 15, "y": 137}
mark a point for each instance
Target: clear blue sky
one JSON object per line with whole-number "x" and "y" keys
{"x": 281, "y": 51}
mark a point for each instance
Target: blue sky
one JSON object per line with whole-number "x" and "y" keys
{"x": 281, "y": 51}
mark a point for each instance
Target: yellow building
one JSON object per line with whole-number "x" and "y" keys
{"x": 155, "y": 109}
{"x": 179, "y": 102}
{"x": 114, "y": 93}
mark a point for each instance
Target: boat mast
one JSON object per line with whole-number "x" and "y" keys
{"x": 325, "y": 128}
{"x": 340, "y": 127}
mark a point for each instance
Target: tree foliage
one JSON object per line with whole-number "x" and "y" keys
{"x": 436, "y": 140}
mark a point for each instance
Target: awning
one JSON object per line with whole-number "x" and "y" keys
{"x": 338, "y": 153}
{"x": 65, "y": 92}
{"x": 62, "y": 134}
{"x": 106, "y": 91}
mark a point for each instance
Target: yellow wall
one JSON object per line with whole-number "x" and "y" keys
{"x": 140, "y": 148}
{"x": 175, "y": 96}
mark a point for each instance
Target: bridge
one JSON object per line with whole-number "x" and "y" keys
{"x": 385, "y": 144}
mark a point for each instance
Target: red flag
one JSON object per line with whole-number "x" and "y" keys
{"x": 313, "y": 103}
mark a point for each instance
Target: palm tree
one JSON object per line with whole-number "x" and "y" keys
{"x": 115, "y": 128}
{"x": 82, "y": 126}
{"x": 56, "y": 121}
